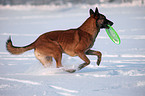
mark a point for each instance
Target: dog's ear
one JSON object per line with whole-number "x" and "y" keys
{"x": 97, "y": 14}
{"x": 96, "y": 11}
{"x": 92, "y": 12}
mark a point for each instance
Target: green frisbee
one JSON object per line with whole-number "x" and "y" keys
{"x": 113, "y": 35}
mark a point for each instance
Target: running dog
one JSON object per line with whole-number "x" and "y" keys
{"x": 74, "y": 42}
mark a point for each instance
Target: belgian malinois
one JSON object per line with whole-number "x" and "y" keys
{"x": 74, "y": 42}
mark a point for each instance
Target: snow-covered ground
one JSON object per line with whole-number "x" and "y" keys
{"x": 122, "y": 70}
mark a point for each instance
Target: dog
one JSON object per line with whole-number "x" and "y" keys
{"x": 74, "y": 42}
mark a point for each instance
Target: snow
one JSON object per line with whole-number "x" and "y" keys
{"x": 21, "y": 81}
{"x": 121, "y": 72}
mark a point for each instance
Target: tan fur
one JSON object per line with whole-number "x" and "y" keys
{"x": 74, "y": 42}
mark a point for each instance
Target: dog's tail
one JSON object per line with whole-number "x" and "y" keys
{"x": 17, "y": 50}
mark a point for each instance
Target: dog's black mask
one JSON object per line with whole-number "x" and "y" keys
{"x": 101, "y": 20}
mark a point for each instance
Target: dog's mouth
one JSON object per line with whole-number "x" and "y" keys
{"x": 105, "y": 26}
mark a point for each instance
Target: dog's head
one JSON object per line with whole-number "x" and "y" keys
{"x": 101, "y": 20}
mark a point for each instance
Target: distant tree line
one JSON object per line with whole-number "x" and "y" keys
{"x": 60, "y": 2}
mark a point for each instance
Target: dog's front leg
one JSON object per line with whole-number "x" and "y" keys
{"x": 83, "y": 56}
{"x": 98, "y": 53}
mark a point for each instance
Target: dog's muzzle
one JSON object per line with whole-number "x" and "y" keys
{"x": 108, "y": 22}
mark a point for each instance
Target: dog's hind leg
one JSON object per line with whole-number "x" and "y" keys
{"x": 98, "y": 53}
{"x": 48, "y": 49}
{"x": 45, "y": 60}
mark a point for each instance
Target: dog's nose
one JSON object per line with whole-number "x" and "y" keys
{"x": 110, "y": 23}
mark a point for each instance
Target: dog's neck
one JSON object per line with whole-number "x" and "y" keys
{"x": 90, "y": 27}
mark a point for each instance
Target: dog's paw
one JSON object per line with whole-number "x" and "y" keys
{"x": 70, "y": 70}
{"x": 98, "y": 62}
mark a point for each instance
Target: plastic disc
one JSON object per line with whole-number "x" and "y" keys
{"x": 113, "y": 35}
